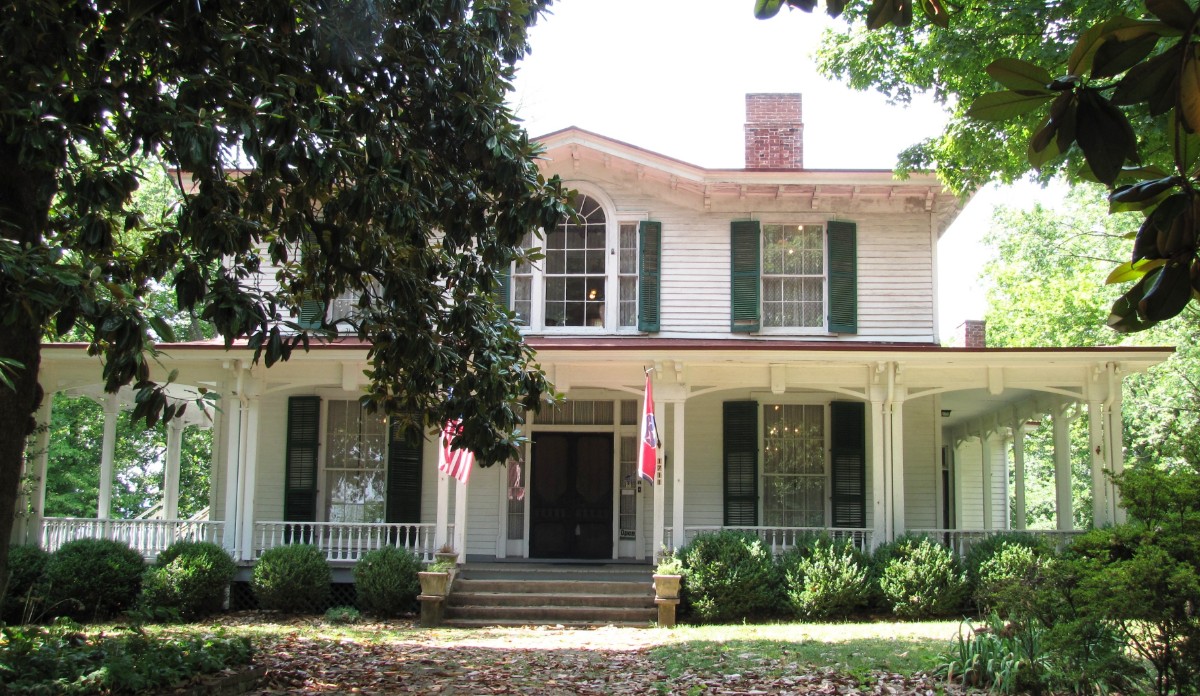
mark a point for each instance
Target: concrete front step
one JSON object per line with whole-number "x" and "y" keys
{"x": 534, "y": 594}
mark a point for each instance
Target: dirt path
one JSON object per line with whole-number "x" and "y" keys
{"x": 539, "y": 661}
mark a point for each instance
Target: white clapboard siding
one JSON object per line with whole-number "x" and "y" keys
{"x": 922, "y": 466}
{"x": 970, "y": 485}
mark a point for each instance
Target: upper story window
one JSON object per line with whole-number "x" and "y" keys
{"x": 594, "y": 275}
{"x": 793, "y": 277}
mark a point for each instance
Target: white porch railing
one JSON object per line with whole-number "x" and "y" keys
{"x": 780, "y": 539}
{"x": 341, "y": 541}
{"x": 147, "y": 537}
{"x": 961, "y": 540}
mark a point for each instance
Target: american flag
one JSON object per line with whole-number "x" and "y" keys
{"x": 454, "y": 462}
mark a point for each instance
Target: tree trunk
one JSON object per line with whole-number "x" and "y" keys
{"x": 17, "y": 409}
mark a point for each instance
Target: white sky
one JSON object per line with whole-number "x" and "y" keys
{"x": 671, "y": 77}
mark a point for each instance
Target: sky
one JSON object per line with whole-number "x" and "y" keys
{"x": 671, "y": 77}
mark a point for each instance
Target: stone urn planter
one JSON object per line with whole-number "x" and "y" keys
{"x": 666, "y": 586}
{"x": 446, "y": 555}
{"x": 434, "y": 583}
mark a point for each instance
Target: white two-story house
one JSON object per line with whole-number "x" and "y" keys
{"x": 788, "y": 318}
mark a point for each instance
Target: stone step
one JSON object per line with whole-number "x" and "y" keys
{"x": 567, "y": 616}
{"x": 460, "y": 598}
{"x": 580, "y": 587}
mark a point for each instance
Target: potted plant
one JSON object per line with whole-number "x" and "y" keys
{"x": 435, "y": 580}
{"x": 667, "y": 576}
{"x": 447, "y": 553}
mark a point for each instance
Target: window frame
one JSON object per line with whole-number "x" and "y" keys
{"x": 323, "y": 483}
{"x": 823, "y": 329}
{"x": 612, "y": 275}
{"x": 826, "y": 458}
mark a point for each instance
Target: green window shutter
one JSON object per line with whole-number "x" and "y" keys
{"x": 649, "y": 275}
{"x": 403, "y": 499}
{"x": 848, "y": 478}
{"x": 303, "y": 442}
{"x": 504, "y": 291}
{"x": 745, "y": 258}
{"x": 312, "y": 314}
{"x": 843, "y": 276}
{"x": 740, "y": 457}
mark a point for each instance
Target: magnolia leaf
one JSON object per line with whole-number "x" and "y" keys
{"x": 1186, "y": 146}
{"x": 1104, "y": 135}
{"x": 1175, "y": 13}
{"x": 1141, "y": 195}
{"x": 1121, "y": 28}
{"x": 835, "y": 7}
{"x": 880, "y": 14}
{"x": 904, "y": 13}
{"x": 766, "y": 9}
{"x": 1152, "y": 236}
{"x": 1132, "y": 270}
{"x": 162, "y": 328}
{"x": 1169, "y": 292}
{"x": 1123, "y": 317}
{"x": 1019, "y": 75}
{"x": 1000, "y": 106}
{"x": 1116, "y": 56}
{"x": 1189, "y": 91}
{"x": 936, "y": 13}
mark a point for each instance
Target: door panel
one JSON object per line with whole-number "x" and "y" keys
{"x": 571, "y": 489}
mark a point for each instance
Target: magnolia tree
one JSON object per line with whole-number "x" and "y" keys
{"x": 357, "y": 146}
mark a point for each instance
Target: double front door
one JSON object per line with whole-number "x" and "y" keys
{"x": 571, "y": 495}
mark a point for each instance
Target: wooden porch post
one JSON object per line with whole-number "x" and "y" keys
{"x": 1096, "y": 455}
{"x": 232, "y": 432}
{"x": 898, "y": 522}
{"x": 171, "y": 470}
{"x": 677, "y": 521}
{"x": 441, "y": 530}
{"x": 1018, "y": 438}
{"x": 879, "y": 509}
{"x": 1115, "y": 430}
{"x": 250, "y": 471}
{"x": 660, "y": 493}
{"x": 460, "y": 518}
{"x": 32, "y": 534}
{"x": 112, "y": 410}
{"x": 1062, "y": 468}
{"x": 985, "y": 449}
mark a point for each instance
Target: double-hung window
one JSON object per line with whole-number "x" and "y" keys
{"x": 596, "y": 274}
{"x": 793, "y": 277}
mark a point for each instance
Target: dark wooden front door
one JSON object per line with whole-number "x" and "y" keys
{"x": 571, "y": 496}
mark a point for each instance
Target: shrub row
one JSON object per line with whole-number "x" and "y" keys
{"x": 96, "y": 579}
{"x": 732, "y": 576}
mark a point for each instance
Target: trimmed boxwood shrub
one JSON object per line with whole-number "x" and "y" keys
{"x": 1007, "y": 579}
{"x": 922, "y": 579}
{"x": 26, "y": 584}
{"x": 386, "y": 581}
{"x": 292, "y": 578}
{"x": 728, "y": 575}
{"x": 984, "y": 549}
{"x": 90, "y": 579}
{"x": 828, "y": 580}
{"x": 189, "y": 578}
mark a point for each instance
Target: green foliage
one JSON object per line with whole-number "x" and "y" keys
{"x": 386, "y": 581}
{"x": 26, "y": 591}
{"x": 73, "y": 478}
{"x": 342, "y": 616}
{"x": 65, "y": 659}
{"x": 669, "y": 564}
{"x": 91, "y": 579}
{"x": 728, "y": 575}
{"x": 983, "y": 550}
{"x": 922, "y": 579}
{"x": 999, "y": 656}
{"x": 829, "y": 580}
{"x": 1005, "y": 578}
{"x": 188, "y": 578}
{"x": 292, "y": 578}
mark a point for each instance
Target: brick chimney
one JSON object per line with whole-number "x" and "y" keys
{"x": 973, "y": 333}
{"x": 774, "y": 132}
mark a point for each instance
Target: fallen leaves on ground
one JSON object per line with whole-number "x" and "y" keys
{"x": 541, "y": 661}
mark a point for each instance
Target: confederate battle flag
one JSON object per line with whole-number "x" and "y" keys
{"x": 649, "y": 449}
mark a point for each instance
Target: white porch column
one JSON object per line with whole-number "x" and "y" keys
{"x": 249, "y": 473}
{"x": 1115, "y": 431}
{"x": 1062, "y": 468}
{"x": 1018, "y": 438}
{"x": 171, "y": 470}
{"x": 897, "y": 469}
{"x": 879, "y": 509}
{"x": 112, "y": 410}
{"x": 660, "y": 480}
{"x": 1096, "y": 454}
{"x": 985, "y": 450}
{"x": 231, "y": 414}
{"x": 460, "y": 518}
{"x": 36, "y": 505}
{"x": 441, "y": 529}
{"x": 677, "y": 504}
